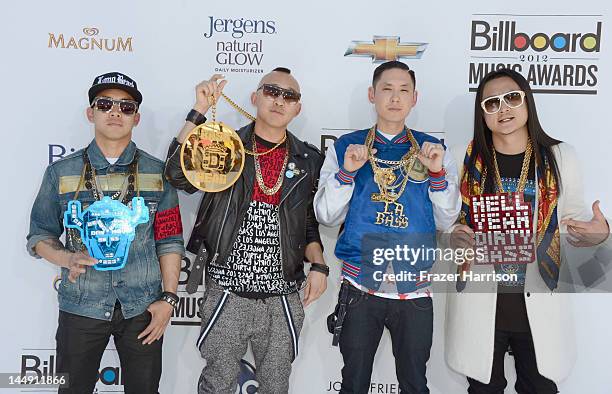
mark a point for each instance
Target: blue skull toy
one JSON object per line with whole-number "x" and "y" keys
{"x": 107, "y": 229}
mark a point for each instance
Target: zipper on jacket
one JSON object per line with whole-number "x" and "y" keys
{"x": 173, "y": 153}
{"x": 280, "y": 233}
{"x": 229, "y": 201}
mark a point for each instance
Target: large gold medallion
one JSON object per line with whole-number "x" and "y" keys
{"x": 212, "y": 157}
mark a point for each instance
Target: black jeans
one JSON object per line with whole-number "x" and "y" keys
{"x": 528, "y": 379}
{"x": 410, "y": 323}
{"x": 81, "y": 342}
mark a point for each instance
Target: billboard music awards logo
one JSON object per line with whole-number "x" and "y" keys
{"x": 187, "y": 311}
{"x": 246, "y": 380}
{"x": 57, "y": 151}
{"x": 239, "y": 43}
{"x": 42, "y": 363}
{"x": 90, "y": 41}
{"x": 557, "y": 54}
{"x": 383, "y": 48}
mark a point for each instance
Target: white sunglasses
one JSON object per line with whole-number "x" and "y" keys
{"x": 492, "y": 105}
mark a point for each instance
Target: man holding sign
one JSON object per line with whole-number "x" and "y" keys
{"x": 517, "y": 181}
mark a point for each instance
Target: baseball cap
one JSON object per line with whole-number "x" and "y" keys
{"x": 114, "y": 80}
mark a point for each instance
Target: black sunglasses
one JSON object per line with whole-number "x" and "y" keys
{"x": 272, "y": 91}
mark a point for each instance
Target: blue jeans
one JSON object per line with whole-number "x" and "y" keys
{"x": 410, "y": 323}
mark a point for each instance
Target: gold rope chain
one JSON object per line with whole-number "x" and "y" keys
{"x": 238, "y": 108}
{"x": 524, "y": 171}
{"x": 247, "y": 115}
{"x": 256, "y": 154}
{"x": 269, "y": 191}
{"x": 381, "y": 174}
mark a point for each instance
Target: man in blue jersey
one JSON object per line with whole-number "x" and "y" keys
{"x": 391, "y": 187}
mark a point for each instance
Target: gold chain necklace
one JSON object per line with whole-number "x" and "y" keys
{"x": 524, "y": 171}
{"x": 238, "y": 108}
{"x": 279, "y": 182}
{"x": 385, "y": 177}
{"x": 244, "y": 113}
{"x": 256, "y": 154}
{"x": 269, "y": 191}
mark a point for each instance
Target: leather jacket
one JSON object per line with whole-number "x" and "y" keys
{"x": 221, "y": 214}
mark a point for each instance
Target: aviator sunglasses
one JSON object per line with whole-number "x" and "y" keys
{"x": 105, "y": 104}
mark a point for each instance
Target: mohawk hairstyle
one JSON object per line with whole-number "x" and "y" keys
{"x": 282, "y": 70}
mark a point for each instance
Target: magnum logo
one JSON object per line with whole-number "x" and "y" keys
{"x": 90, "y": 41}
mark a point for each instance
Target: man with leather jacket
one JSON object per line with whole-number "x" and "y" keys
{"x": 253, "y": 238}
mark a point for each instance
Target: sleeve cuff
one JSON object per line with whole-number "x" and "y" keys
{"x": 33, "y": 240}
{"x": 437, "y": 181}
{"x": 168, "y": 248}
{"x": 345, "y": 177}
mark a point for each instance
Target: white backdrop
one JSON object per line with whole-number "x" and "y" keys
{"x": 52, "y": 50}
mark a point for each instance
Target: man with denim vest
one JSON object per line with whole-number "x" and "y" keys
{"x": 392, "y": 188}
{"x": 97, "y": 302}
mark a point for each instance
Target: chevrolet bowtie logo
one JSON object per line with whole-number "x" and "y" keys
{"x": 386, "y": 48}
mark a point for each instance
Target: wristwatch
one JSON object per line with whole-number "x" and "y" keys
{"x": 195, "y": 117}
{"x": 318, "y": 267}
{"x": 170, "y": 298}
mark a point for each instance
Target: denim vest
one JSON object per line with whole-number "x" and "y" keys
{"x": 138, "y": 284}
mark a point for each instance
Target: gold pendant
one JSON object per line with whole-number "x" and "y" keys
{"x": 391, "y": 217}
{"x": 381, "y": 197}
{"x": 384, "y": 177}
{"x": 212, "y": 157}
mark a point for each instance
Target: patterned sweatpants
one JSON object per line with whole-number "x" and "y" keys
{"x": 229, "y": 323}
